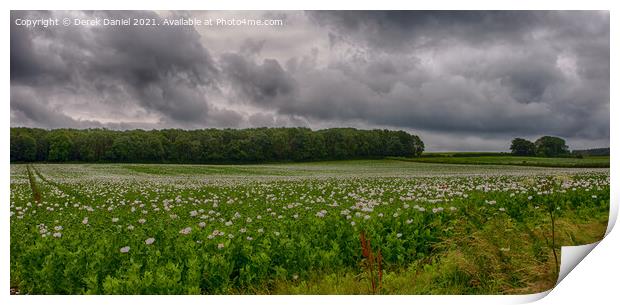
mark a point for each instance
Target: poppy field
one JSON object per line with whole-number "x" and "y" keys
{"x": 350, "y": 227}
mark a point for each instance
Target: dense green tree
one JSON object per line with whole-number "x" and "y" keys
{"x": 548, "y": 146}
{"x": 124, "y": 149}
{"x": 209, "y": 145}
{"x": 280, "y": 145}
{"x": 187, "y": 149}
{"x": 153, "y": 150}
{"x": 418, "y": 146}
{"x": 259, "y": 145}
{"x": 394, "y": 146}
{"x": 522, "y": 147}
{"x": 23, "y": 148}
{"x": 61, "y": 147}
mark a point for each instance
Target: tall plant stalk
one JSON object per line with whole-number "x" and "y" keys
{"x": 372, "y": 261}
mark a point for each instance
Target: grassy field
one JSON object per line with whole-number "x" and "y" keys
{"x": 504, "y": 159}
{"x": 297, "y": 228}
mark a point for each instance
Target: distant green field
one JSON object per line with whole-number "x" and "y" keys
{"x": 356, "y": 168}
{"x": 464, "y": 154}
{"x": 504, "y": 159}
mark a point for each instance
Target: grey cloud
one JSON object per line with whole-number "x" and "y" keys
{"x": 224, "y": 118}
{"x": 399, "y": 30}
{"x": 251, "y": 47}
{"x": 265, "y": 83}
{"x": 27, "y": 107}
{"x": 494, "y": 102}
{"x": 487, "y": 72}
{"x": 165, "y": 70}
{"x": 477, "y": 75}
{"x": 263, "y": 119}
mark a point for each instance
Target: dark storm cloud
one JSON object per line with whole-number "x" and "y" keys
{"x": 26, "y": 107}
{"x": 477, "y": 77}
{"x": 265, "y": 83}
{"x": 165, "y": 70}
{"x": 457, "y": 72}
{"x": 398, "y": 30}
{"x": 30, "y": 109}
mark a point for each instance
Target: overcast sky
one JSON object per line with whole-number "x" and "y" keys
{"x": 468, "y": 81}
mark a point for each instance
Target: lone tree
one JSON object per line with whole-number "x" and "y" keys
{"x": 522, "y": 147}
{"x": 548, "y": 146}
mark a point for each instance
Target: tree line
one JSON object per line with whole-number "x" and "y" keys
{"x": 592, "y": 152}
{"x": 546, "y": 146}
{"x": 253, "y": 145}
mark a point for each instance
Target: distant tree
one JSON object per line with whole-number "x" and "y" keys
{"x": 60, "y": 148}
{"x": 338, "y": 143}
{"x": 299, "y": 143}
{"x": 212, "y": 148}
{"x": 210, "y": 145}
{"x": 548, "y": 146}
{"x": 592, "y": 152}
{"x": 522, "y": 147}
{"x": 394, "y": 146}
{"x": 418, "y": 146}
{"x": 153, "y": 150}
{"x": 187, "y": 149}
{"x": 124, "y": 149}
{"x": 317, "y": 146}
{"x": 23, "y": 148}
{"x": 43, "y": 146}
{"x": 259, "y": 145}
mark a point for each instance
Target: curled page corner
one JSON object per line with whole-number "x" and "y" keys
{"x": 613, "y": 215}
{"x": 531, "y": 298}
{"x": 571, "y": 256}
